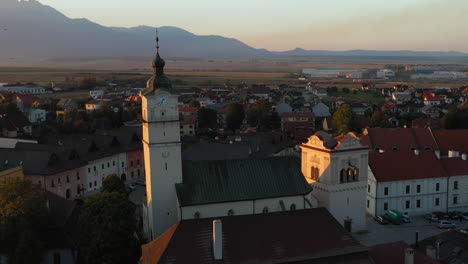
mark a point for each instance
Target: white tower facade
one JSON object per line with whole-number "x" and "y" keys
{"x": 162, "y": 150}
{"x": 336, "y": 168}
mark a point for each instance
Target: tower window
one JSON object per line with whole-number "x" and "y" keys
{"x": 342, "y": 176}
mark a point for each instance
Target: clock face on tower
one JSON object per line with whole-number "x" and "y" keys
{"x": 162, "y": 101}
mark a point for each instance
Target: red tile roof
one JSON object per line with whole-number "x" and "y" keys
{"x": 400, "y": 138}
{"x": 405, "y": 165}
{"x": 152, "y": 252}
{"x": 431, "y": 96}
{"x": 452, "y": 140}
{"x": 297, "y": 114}
{"x": 189, "y": 120}
{"x": 188, "y": 109}
{"x": 434, "y": 123}
{"x": 394, "y": 253}
{"x": 455, "y": 166}
{"x": 263, "y": 238}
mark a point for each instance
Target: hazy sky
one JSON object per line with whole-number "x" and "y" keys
{"x": 287, "y": 24}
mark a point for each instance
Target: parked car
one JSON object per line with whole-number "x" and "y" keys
{"x": 380, "y": 220}
{"x": 464, "y": 216}
{"x": 141, "y": 182}
{"x": 131, "y": 186}
{"x": 445, "y": 224}
{"x": 406, "y": 219}
{"x": 431, "y": 217}
{"x": 454, "y": 215}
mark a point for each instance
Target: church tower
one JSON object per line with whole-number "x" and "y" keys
{"x": 162, "y": 149}
{"x": 336, "y": 168}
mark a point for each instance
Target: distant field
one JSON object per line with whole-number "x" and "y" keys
{"x": 71, "y": 95}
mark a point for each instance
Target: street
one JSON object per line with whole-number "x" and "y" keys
{"x": 381, "y": 234}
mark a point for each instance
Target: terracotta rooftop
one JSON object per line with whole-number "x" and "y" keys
{"x": 283, "y": 237}
{"x": 390, "y": 139}
{"x": 394, "y": 253}
{"x": 405, "y": 165}
{"x": 297, "y": 114}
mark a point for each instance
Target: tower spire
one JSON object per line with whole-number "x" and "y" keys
{"x": 157, "y": 41}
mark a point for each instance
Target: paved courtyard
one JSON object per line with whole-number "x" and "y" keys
{"x": 380, "y": 234}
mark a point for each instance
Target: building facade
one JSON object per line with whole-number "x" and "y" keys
{"x": 336, "y": 168}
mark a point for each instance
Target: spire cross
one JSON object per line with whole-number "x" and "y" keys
{"x": 157, "y": 40}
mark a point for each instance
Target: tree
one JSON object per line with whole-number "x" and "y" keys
{"x": 207, "y": 118}
{"x": 23, "y": 213}
{"x": 194, "y": 103}
{"x": 344, "y": 119}
{"x": 376, "y": 118}
{"x": 88, "y": 83}
{"x": 456, "y": 118}
{"x": 264, "y": 110}
{"x": 235, "y": 116}
{"x": 9, "y": 108}
{"x": 112, "y": 183}
{"x": 252, "y": 116}
{"x": 107, "y": 228}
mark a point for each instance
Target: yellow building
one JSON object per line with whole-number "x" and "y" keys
{"x": 11, "y": 173}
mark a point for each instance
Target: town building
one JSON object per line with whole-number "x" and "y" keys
{"x": 431, "y": 174}
{"x": 299, "y": 124}
{"x": 385, "y": 74}
{"x": 336, "y": 168}
{"x": 179, "y": 190}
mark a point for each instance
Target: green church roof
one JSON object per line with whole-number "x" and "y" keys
{"x": 207, "y": 182}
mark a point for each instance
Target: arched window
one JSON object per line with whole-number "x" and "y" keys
{"x": 196, "y": 215}
{"x": 292, "y": 207}
{"x": 316, "y": 174}
{"x": 265, "y": 210}
{"x": 230, "y": 212}
{"x": 349, "y": 174}
{"x": 342, "y": 175}
{"x": 355, "y": 175}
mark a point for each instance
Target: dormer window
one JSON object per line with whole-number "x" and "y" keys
{"x": 395, "y": 148}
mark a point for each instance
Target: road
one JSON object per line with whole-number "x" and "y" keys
{"x": 381, "y": 234}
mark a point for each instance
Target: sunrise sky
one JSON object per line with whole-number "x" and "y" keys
{"x": 436, "y": 25}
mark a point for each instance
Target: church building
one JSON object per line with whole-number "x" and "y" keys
{"x": 334, "y": 170}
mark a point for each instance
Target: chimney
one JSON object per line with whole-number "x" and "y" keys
{"x": 463, "y": 156}
{"x": 453, "y": 154}
{"x": 217, "y": 239}
{"x": 431, "y": 252}
{"x": 416, "y": 152}
{"x": 409, "y": 256}
{"x": 437, "y": 153}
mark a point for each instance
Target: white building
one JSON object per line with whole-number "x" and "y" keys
{"x": 385, "y": 74}
{"x": 37, "y": 115}
{"x": 23, "y": 90}
{"x": 92, "y": 106}
{"x": 95, "y": 94}
{"x": 98, "y": 169}
{"x": 411, "y": 182}
{"x": 337, "y": 170}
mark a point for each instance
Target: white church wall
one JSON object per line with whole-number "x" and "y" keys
{"x": 246, "y": 207}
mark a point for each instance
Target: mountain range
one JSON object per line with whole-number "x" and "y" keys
{"x": 31, "y": 29}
